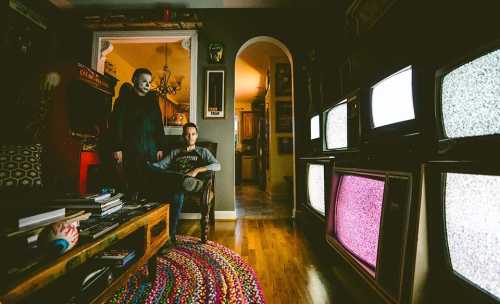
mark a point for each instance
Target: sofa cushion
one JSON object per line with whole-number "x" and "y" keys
{"x": 20, "y": 166}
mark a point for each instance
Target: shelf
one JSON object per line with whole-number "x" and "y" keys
{"x": 41, "y": 276}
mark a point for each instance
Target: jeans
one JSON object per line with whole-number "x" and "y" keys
{"x": 167, "y": 184}
{"x": 175, "y": 212}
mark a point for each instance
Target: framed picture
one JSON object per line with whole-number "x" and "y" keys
{"x": 283, "y": 80}
{"x": 283, "y": 116}
{"x": 214, "y": 94}
{"x": 312, "y": 81}
{"x": 285, "y": 145}
{"x": 215, "y": 53}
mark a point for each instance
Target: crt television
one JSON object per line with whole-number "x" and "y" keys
{"x": 394, "y": 105}
{"x": 369, "y": 225}
{"x": 342, "y": 125}
{"x": 463, "y": 203}
{"x": 315, "y": 187}
{"x": 468, "y": 103}
{"x": 314, "y": 129}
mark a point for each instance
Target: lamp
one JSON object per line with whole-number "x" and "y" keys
{"x": 165, "y": 86}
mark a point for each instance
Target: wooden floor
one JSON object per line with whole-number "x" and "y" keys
{"x": 286, "y": 265}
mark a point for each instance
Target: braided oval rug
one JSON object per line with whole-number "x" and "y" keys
{"x": 192, "y": 272}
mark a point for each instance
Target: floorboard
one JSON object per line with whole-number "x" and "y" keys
{"x": 286, "y": 264}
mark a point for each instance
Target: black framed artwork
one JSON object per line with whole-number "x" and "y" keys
{"x": 214, "y": 94}
{"x": 215, "y": 53}
{"x": 283, "y": 116}
{"x": 285, "y": 145}
{"x": 283, "y": 75}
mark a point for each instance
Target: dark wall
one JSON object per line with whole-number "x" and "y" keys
{"x": 26, "y": 51}
{"x": 233, "y": 27}
{"x": 429, "y": 33}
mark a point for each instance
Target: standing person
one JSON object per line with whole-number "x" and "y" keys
{"x": 183, "y": 170}
{"x": 137, "y": 129}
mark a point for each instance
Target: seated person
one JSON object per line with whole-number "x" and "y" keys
{"x": 182, "y": 170}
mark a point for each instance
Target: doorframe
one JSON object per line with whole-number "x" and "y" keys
{"x": 288, "y": 54}
{"x": 99, "y": 37}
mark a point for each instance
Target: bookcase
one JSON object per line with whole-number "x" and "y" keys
{"x": 146, "y": 232}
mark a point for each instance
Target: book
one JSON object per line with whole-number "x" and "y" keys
{"x": 94, "y": 207}
{"x": 111, "y": 210}
{"x": 118, "y": 257}
{"x": 98, "y": 229}
{"x": 88, "y": 199}
{"x": 38, "y": 216}
{"x": 68, "y": 217}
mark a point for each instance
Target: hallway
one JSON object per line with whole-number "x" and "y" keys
{"x": 286, "y": 265}
{"x": 253, "y": 203}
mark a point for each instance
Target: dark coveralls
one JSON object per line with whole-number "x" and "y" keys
{"x": 138, "y": 132}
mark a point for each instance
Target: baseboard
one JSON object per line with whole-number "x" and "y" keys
{"x": 219, "y": 215}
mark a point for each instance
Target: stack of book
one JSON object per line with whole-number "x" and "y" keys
{"x": 99, "y": 204}
{"x": 118, "y": 257}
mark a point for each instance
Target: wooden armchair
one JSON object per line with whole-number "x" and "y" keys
{"x": 205, "y": 199}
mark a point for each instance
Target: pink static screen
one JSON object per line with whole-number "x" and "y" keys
{"x": 357, "y": 216}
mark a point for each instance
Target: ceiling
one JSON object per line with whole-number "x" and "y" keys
{"x": 67, "y": 4}
{"x": 251, "y": 69}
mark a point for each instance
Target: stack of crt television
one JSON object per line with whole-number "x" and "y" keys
{"x": 413, "y": 229}
{"x": 462, "y": 189}
{"x": 371, "y": 206}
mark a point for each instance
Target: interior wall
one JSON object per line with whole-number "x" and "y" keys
{"x": 280, "y": 165}
{"x": 280, "y": 24}
{"x": 152, "y": 56}
{"x": 124, "y": 71}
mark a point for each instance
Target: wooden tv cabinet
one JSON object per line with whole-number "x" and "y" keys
{"x": 150, "y": 231}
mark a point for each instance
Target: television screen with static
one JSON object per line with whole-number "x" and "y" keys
{"x": 358, "y": 209}
{"x": 392, "y": 99}
{"x": 336, "y": 126}
{"x": 316, "y": 187}
{"x": 470, "y": 97}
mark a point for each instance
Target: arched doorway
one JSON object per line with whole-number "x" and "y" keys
{"x": 264, "y": 126}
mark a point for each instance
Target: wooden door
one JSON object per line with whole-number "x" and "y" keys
{"x": 247, "y": 125}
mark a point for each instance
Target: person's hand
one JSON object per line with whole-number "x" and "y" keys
{"x": 159, "y": 155}
{"x": 50, "y": 81}
{"x": 118, "y": 156}
{"x": 193, "y": 173}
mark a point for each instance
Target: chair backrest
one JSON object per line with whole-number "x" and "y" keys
{"x": 211, "y": 146}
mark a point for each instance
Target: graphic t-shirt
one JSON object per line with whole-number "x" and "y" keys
{"x": 186, "y": 161}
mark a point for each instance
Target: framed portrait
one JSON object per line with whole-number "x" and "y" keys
{"x": 214, "y": 94}
{"x": 215, "y": 53}
{"x": 285, "y": 145}
{"x": 283, "y": 80}
{"x": 283, "y": 116}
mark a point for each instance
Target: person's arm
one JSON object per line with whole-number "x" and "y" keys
{"x": 117, "y": 124}
{"x": 167, "y": 161}
{"x": 159, "y": 132}
{"x": 212, "y": 163}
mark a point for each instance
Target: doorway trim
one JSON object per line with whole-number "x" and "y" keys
{"x": 99, "y": 46}
{"x": 288, "y": 54}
